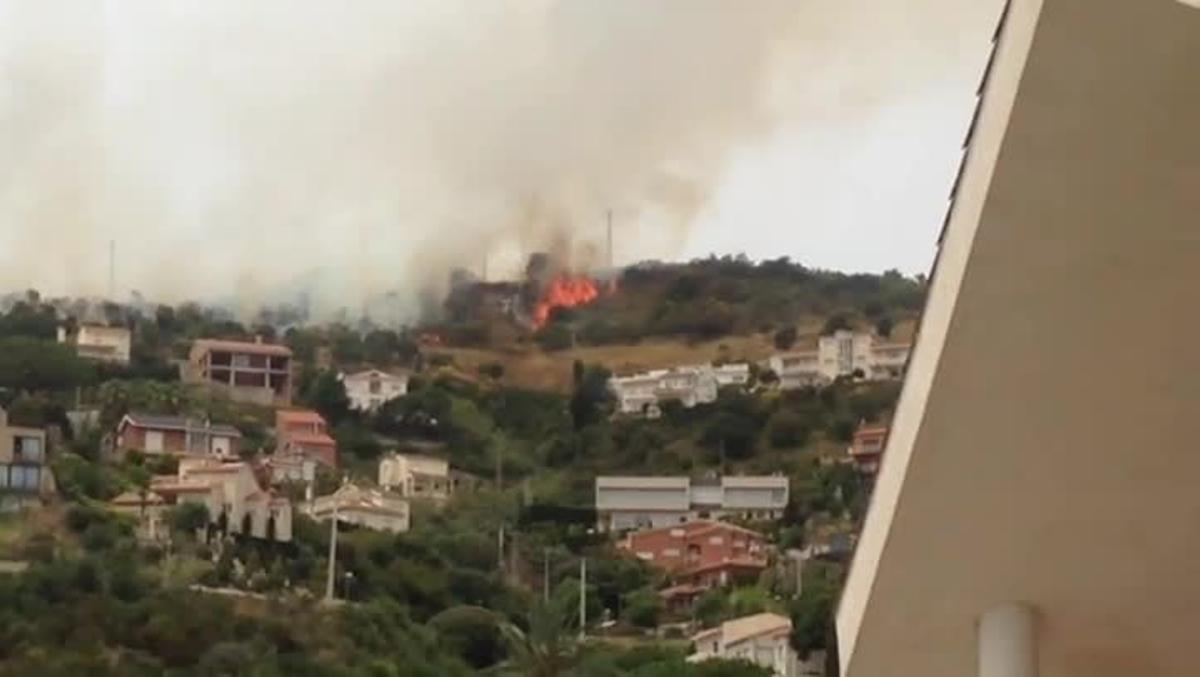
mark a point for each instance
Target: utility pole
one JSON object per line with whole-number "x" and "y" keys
{"x": 582, "y": 598}
{"x": 500, "y": 548}
{"x": 513, "y": 572}
{"x": 333, "y": 534}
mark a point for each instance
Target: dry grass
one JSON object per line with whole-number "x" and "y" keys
{"x": 530, "y": 367}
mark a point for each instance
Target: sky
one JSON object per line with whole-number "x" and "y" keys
{"x": 246, "y": 150}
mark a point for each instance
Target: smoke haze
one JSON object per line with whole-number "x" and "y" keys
{"x": 243, "y": 150}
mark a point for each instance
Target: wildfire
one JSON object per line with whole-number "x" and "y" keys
{"x": 564, "y": 291}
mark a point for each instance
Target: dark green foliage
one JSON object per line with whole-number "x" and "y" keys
{"x": 327, "y": 394}
{"x": 785, "y": 338}
{"x": 188, "y": 517}
{"x": 812, "y": 613}
{"x": 836, "y": 322}
{"x": 36, "y": 364}
{"x": 555, "y": 336}
{"x": 471, "y": 633}
{"x": 643, "y": 608}
{"x": 787, "y": 429}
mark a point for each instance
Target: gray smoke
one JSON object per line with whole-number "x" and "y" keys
{"x": 244, "y": 150}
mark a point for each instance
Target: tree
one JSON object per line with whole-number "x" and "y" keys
{"x": 470, "y": 632}
{"x": 492, "y": 370}
{"x": 546, "y": 649}
{"x": 785, "y": 338}
{"x": 643, "y": 608}
{"x": 327, "y": 394}
{"x": 188, "y": 517}
{"x": 787, "y": 430}
{"x": 32, "y": 364}
{"x": 884, "y": 326}
{"x": 712, "y": 608}
{"x": 812, "y": 613}
{"x": 555, "y": 337}
{"x": 835, "y": 323}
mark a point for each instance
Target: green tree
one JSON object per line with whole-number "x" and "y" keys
{"x": 785, "y": 338}
{"x": 643, "y": 608}
{"x": 546, "y": 649}
{"x": 327, "y": 394}
{"x": 33, "y": 364}
{"x": 188, "y": 517}
{"x": 472, "y": 633}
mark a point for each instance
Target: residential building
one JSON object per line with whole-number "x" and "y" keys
{"x": 368, "y": 508}
{"x": 417, "y": 476}
{"x": 762, "y": 639}
{"x": 254, "y": 373}
{"x": 98, "y": 342}
{"x": 843, "y": 354}
{"x": 624, "y": 503}
{"x": 867, "y": 448}
{"x": 643, "y": 394}
{"x": 237, "y": 503}
{"x": 368, "y": 390}
{"x": 701, "y": 553}
{"x": 151, "y": 434}
{"x": 25, "y": 475}
{"x": 1035, "y": 511}
{"x": 303, "y": 434}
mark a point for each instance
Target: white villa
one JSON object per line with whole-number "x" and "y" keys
{"x": 368, "y": 390}
{"x": 841, "y": 354}
{"x": 642, "y": 394}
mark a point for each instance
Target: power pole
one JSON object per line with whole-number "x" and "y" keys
{"x": 500, "y": 548}
{"x": 333, "y": 534}
{"x": 582, "y": 598}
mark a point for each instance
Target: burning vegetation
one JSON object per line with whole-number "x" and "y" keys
{"x": 564, "y": 291}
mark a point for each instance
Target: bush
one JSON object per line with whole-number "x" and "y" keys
{"x": 555, "y": 337}
{"x": 643, "y": 608}
{"x": 787, "y": 430}
{"x": 470, "y": 632}
{"x": 188, "y": 517}
{"x": 785, "y": 338}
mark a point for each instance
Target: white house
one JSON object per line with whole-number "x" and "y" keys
{"x": 762, "y": 639}
{"x": 841, "y": 354}
{"x": 624, "y": 503}
{"x": 233, "y": 496}
{"x": 369, "y": 508}
{"x": 642, "y": 394}
{"x": 368, "y": 390}
{"x": 98, "y": 342}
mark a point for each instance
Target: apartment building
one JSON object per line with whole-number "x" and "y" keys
{"x": 25, "y": 475}
{"x": 1035, "y": 509}
{"x": 368, "y": 390}
{"x": 762, "y": 639}
{"x": 98, "y": 342}
{"x": 254, "y": 373}
{"x": 843, "y": 354}
{"x": 643, "y": 394}
{"x": 624, "y": 503}
{"x": 152, "y": 434}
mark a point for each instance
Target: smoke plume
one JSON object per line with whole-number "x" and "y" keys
{"x": 242, "y": 151}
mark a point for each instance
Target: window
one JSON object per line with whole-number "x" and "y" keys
{"x": 374, "y": 386}
{"x": 28, "y": 449}
{"x": 716, "y": 540}
{"x": 670, "y": 552}
{"x": 241, "y": 361}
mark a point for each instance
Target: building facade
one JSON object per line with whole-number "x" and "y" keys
{"x": 98, "y": 342}
{"x": 702, "y": 553}
{"x": 302, "y": 434}
{"x": 368, "y": 390}
{"x": 417, "y": 477}
{"x": 367, "y": 508}
{"x": 866, "y": 449}
{"x": 25, "y": 476}
{"x": 643, "y": 394}
{"x": 237, "y": 503}
{"x": 762, "y": 639}
{"x": 150, "y": 434}
{"x": 843, "y": 354}
{"x": 624, "y": 503}
{"x": 1034, "y": 514}
{"x": 254, "y": 373}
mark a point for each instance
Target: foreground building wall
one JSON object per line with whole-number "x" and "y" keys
{"x": 1035, "y": 512}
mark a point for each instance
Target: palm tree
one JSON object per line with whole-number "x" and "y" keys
{"x": 548, "y": 649}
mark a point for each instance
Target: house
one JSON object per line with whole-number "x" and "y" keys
{"x": 253, "y": 373}
{"x": 237, "y": 503}
{"x": 416, "y": 476}
{"x": 368, "y": 390}
{"x": 867, "y": 448}
{"x": 624, "y": 503}
{"x": 701, "y": 553}
{"x": 843, "y": 354}
{"x": 25, "y": 476}
{"x": 98, "y": 342}
{"x": 369, "y": 508}
{"x": 762, "y": 639}
{"x": 643, "y": 394}
{"x": 303, "y": 434}
{"x": 152, "y": 434}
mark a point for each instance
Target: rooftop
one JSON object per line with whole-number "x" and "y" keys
{"x": 747, "y": 627}
{"x": 159, "y": 422}
{"x": 209, "y": 345}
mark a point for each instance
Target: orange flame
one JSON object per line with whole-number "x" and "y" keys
{"x": 564, "y": 291}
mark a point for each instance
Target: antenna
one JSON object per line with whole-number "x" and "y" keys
{"x": 112, "y": 270}
{"x": 610, "y": 240}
